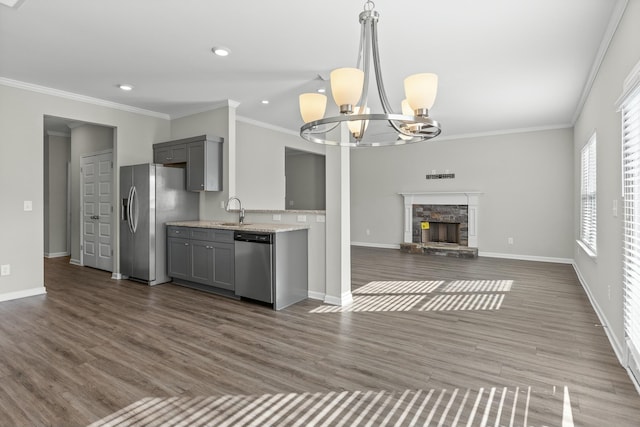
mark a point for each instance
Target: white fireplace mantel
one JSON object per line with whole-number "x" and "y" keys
{"x": 469, "y": 198}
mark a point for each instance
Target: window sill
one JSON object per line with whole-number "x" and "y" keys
{"x": 586, "y": 249}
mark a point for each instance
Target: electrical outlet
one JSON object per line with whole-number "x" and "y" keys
{"x": 5, "y": 269}
{"x": 510, "y": 240}
{"x": 302, "y": 218}
{"x": 222, "y": 204}
{"x": 320, "y": 218}
{"x": 277, "y": 217}
{"x": 28, "y": 205}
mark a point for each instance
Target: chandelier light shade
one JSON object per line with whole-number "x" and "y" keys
{"x": 421, "y": 90}
{"x": 346, "y": 87}
{"x": 356, "y": 126}
{"x": 349, "y": 87}
{"x": 312, "y": 106}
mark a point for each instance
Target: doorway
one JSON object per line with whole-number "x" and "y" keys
{"x": 75, "y": 139}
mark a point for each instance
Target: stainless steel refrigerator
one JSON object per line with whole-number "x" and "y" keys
{"x": 150, "y": 196}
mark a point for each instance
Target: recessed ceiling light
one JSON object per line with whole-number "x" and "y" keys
{"x": 221, "y": 50}
{"x": 322, "y": 90}
{"x": 265, "y": 101}
{"x": 125, "y": 87}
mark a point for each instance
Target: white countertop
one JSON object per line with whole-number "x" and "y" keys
{"x": 226, "y": 225}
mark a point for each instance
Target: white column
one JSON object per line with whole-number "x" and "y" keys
{"x": 338, "y": 224}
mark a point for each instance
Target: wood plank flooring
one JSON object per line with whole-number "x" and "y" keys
{"x": 96, "y": 350}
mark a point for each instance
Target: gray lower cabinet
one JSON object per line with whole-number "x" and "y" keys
{"x": 178, "y": 257}
{"x": 205, "y": 258}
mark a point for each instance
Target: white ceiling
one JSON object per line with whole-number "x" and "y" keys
{"x": 502, "y": 64}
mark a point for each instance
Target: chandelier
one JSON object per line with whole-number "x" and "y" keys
{"x": 349, "y": 87}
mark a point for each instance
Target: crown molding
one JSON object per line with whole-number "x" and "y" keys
{"x": 616, "y": 17}
{"x": 266, "y": 125}
{"x": 500, "y": 132}
{"x": 226, "y": 103}
{"x": 80, "y": 98}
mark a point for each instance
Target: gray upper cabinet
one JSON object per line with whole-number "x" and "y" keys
{"x": 202, "y": 156}
{"x": 167, "y": 153}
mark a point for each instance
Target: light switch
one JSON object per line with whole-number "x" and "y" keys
{"x": 5, "y": 270}
{"x": 28, "y": 205}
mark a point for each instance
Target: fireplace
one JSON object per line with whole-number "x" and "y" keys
{"x": 440, "y": 224}
{"x": 451, "y": 214}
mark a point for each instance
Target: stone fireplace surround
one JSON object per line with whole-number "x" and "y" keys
{"x": 469, "y": 198}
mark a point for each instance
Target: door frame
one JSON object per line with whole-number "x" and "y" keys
{"x": 113, "y": 173}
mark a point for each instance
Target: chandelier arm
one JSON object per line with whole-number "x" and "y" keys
{"x": 366, "y": 68}
{"x": 361, "y": 45}
{"x": 386, "y": 107}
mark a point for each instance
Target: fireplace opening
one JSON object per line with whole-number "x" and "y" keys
{"x": 441, "y": 232}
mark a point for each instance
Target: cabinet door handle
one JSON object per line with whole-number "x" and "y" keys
{"x": 186, "y": 244}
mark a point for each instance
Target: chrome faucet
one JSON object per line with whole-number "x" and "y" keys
{"x": 241, "y": 219}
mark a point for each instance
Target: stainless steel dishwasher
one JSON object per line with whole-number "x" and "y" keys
{"x": 254, "y": 265}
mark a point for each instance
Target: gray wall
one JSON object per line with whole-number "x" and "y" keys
{"x": 22, "y": 172}
{"x": 57, "y": 154}
{"x": 526, "y": 180}
{"x": 602, "y": 276}
{"x": 85, "y": 139}
{"x": 305, "y": 180}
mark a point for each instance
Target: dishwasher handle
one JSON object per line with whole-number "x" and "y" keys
{"x": 264, "y": 238}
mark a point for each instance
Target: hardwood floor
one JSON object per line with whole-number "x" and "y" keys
{"x": 434, "y": 341}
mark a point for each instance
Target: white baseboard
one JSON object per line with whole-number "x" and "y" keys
{"x": 375, "y": 245}
{"x": 117, "y": 276}
{"x": 75, "y": 262}
{"x": 526, "y": 257}
{"x": 55, "y": 254}
{"x": 316, "y": 295}
{"x": 23, "y": 294}
{"x": 344, "y": 299}
{"x": 618, "y": 349}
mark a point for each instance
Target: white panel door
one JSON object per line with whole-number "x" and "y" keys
{"x": 97, "y": 215}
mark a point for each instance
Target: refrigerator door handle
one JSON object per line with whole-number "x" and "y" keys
{"x": 129, "y": 208}
{"x": 134, "y": 209}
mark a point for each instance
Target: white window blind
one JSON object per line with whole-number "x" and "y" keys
{"x": 588, "y": 230}
{"x": 631, "y": 186}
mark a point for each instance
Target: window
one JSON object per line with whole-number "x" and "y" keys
{"x": 630, "y": 107}
{"x": 588, "y": 218}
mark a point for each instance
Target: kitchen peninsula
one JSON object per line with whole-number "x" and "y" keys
{"x": 254, "y": 261}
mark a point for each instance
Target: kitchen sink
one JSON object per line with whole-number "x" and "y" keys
{"x": 234, "y": 224}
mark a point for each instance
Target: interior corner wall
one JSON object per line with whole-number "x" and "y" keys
{"x": 602, "y": 276}
{"x": 57, "y": 156}
{"x": 22, "y": 172}
{"x": 214, "y": 122}
{"x": 526, "y": 181}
